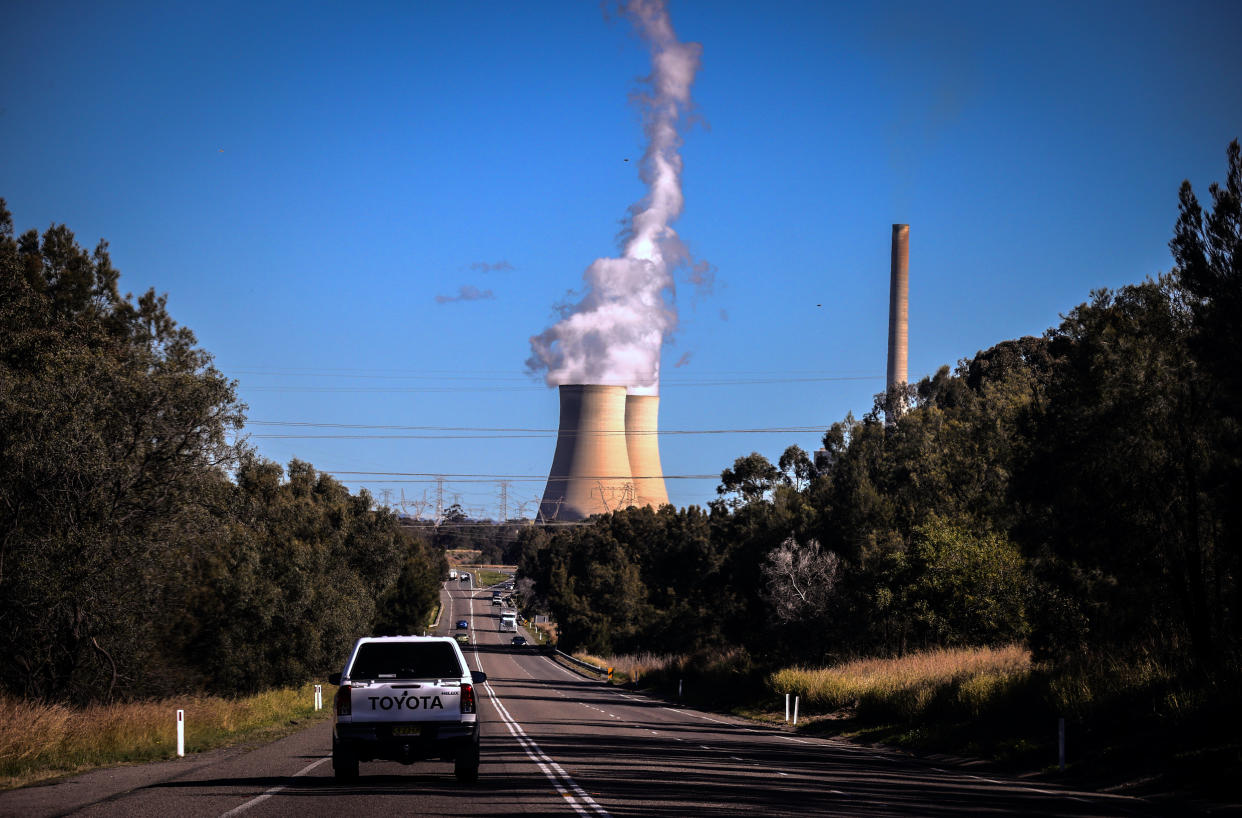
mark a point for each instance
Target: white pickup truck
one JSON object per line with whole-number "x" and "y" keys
{"x": 406, "y": 698}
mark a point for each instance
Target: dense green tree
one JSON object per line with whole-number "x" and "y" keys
{"x": 750, "y": 479}
{"x": 1208, "y": 251}
{"x": 113, "y": 437}
{"x": 1118, "y": 486}
{"x": 407, "y": 606}
{"x": 966, "y": 586}
{"x": 1207, "y": 248}
{"x": 296, "y": 581}
{"x": 142, "y": 552}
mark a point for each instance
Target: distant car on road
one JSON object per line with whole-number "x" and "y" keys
{"x": 462, "y": 637}
{"x": 465, "y": 577}
{"x": 518, "y": 640}
{"x": 462, "y": 625}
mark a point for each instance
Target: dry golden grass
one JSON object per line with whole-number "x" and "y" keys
{"x": 589, "y": 658}
{"x": 548, "y": 629}
{"x": 629, "y": 667}
{"x": 634, "y": 666}
{"x": 38, "y": 741}
{"x": 968, "y": 679}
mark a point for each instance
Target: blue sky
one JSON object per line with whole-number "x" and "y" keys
{"x": 304, "y": 179}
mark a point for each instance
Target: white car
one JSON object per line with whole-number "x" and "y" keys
{"x": 407, "y": 699}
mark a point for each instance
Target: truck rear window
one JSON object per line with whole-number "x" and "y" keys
{"x": 406, "y": 660}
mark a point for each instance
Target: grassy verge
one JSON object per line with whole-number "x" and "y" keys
{"x": 1132, "y": 727}
{"x": 485, "y": 577}
{"x": 42, "y": 741}
{"x": 964, "y": 682}
{"x": 986, "y": 702}
{"x": 630, "y": 667}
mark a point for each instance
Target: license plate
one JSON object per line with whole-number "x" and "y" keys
{"x": 405, "y": 730}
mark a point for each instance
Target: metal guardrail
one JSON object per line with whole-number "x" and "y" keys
{"x": 581, "y": 663}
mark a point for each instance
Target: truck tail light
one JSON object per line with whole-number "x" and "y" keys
{"x": 344, "y": 703}
{"x": 467, "y": 698}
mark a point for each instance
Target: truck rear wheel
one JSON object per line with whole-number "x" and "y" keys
{"x": 466, "y": 766}
{"x": 344, "y": 762}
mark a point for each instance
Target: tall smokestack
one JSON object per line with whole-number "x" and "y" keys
{"x": 643, "y": 444}
{"x": 591, "y": 467}
{"x": 898, "y": 321}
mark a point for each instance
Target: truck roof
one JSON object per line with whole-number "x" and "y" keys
{"x": 406, "y": 657}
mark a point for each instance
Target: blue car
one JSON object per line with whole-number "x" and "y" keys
{"x": 462, "y": 625}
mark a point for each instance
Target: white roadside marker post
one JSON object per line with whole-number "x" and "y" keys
{"x": 1061, "y": 743}
{"x": 786, "y": 707}
{"x": 180, "y": 734}
{"x": 795, "y": 720}
{"x": 679, "y": 681}
{"x": 318, "y": 697}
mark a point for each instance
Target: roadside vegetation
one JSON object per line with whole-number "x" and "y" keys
{"x": 1048, "y": 529}
{"x": 40, "y": 741}
{"x": 146, "y": 549}
{"x": 963, "y": 681}
{"x": 485, "y": 577}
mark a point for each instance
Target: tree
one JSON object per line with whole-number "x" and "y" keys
{"x": 296, "y": 580}
{"x": 800, "y": 580}
{"x": 407, "y": 606}
{"x": 1208, "y": 252}
{"x": 750, "y": 479}
{"x": 1121, "y": 515}
{"x": 113, "y": 445}
{"x": 965, "y": 587}
{"x": 1207, "y": 249}
{"x": 796, "y": 467}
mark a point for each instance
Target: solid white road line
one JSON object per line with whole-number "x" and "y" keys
{"x": 545, "y": 763}
{"x": 561, "y": 781}
{"x": 273, "y": 790}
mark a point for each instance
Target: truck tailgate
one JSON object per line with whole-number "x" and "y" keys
{"x": 405, "y": 701}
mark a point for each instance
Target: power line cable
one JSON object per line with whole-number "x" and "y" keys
{"x": 490, "y": 433}
{"x": 539, "y": 387}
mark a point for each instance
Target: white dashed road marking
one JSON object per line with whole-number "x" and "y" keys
{"x": 253, "y": 801}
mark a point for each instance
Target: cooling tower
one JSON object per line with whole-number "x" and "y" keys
{"x": 898, "y": 316}
{"x": 642, "y": 440}
{"x": 591, "y": 467}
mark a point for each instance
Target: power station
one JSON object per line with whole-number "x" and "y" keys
{"x": 607, "y": 443}
{"x": 607, "y": 454}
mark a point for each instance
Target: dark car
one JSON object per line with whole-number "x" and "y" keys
{"x": 462, "y": 624}
{"x": 518, "y": 640}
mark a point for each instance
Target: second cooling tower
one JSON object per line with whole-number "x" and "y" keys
{"x": 642, "y": 440}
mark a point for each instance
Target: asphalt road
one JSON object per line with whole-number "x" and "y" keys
{"x": 557, "y": 744}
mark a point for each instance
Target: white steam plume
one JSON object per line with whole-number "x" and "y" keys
{"x": 614, "y": 334}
